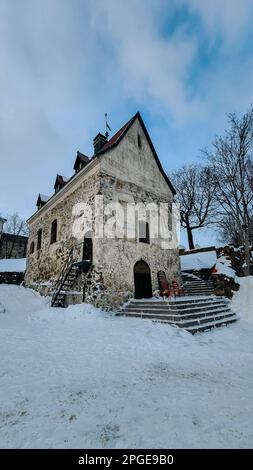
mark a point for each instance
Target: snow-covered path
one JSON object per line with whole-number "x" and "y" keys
{"x": 81, "y": 378}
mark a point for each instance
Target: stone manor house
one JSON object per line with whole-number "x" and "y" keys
{"x": 104, "y": 271}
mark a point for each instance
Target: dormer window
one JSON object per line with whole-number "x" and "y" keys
{"x": 81, "y": 162}
{"x": 139, "y": 141}
{"x": 60, "y": 182}
{"x": 41, "y": 201}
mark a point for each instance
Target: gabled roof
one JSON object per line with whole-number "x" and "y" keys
{"x": 80, "y": 158}
{"x": 62, "y": 180}
{"x": 115, "y": 140}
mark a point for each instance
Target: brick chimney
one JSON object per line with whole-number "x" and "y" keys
{"x": 98, "y": 142}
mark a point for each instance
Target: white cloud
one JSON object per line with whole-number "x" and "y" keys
{"x": 230, "y": 19}
{"x": 152, "y": 67}
{"x": 63, "y": 64}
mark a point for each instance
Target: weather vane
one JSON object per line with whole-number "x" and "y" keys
{"x": 107, "y": 126}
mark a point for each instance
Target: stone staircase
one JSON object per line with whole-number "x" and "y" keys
{"x": 194, "y": 285}
{"x": 192, "y": 314}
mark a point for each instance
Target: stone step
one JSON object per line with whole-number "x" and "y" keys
{"x": 215, "y": 324}
{"x": 195, "y": 322}
{"x": 199, "y": 313}
{"x": 181, "y": 301}
{"x": 197, "y": 286}
{"x": 198, "y": 289}
{"x": 182, "y": 298}
{"x": 182, "y": 319}
{"x": 198, "y": 293}
{"x": 178, "y": 305}
{"x": 177, "y": 312}
{"x": 178, "y": 301}
{"x": 195, "y": 325}
{"x": 197, "y": 281}
{"x": 186, "y": 324}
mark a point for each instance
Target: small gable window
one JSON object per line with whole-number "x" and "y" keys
{"x": 32, "y": 248}
{"x": 39, "y": 239}
{"x": 53, "y": 232}
{"x": 143, "y": 232}
{"x": 139, "y": 141}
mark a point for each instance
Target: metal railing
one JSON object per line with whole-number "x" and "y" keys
{"x": 71, "y": 259}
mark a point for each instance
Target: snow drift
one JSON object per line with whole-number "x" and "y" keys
{"x": 201, "y": 260}
{"x": 81, "y": 378}
{"x": 242, "y": 301}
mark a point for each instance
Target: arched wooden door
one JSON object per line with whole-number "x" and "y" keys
{"x": 142, "y": 280}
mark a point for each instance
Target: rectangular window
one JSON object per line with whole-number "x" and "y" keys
{"x": 144, "y": 232}
{"x": 53, "y": 232}
{"x": 139, "y": 141}
{"x": 39, "y": 239}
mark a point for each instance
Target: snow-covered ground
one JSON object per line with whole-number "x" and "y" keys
{"x": 81, "y": 378}
{"x": 12, "y": 265}
{"x": 200, "y": 260}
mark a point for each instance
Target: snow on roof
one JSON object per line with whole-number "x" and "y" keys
{"x": 43, "y": 197}
{"x": 201, "y": 260}
{"x": 60, "y": 179}
{"x": 12, "y": 265}
{"x": 242, "y": 301}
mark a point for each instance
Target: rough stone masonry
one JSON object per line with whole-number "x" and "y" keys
{"x": 124, "y": 169}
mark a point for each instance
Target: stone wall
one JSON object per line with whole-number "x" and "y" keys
{"x": 235, "y": 256}
{"x": 123, "y": 174}
{"x": 46, "y": 264}
{"x": 111, "y": 282}
{"x": 223, "y": 284}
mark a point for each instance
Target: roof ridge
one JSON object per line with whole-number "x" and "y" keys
{"x": 116, "y": 138}
{"x": 113, "y": 140}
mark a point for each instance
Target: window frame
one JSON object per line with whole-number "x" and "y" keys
{"x": 39, "y": 239}
{"x": 145, "y": 239}
{"x": 139, "y": 141}
{"x": 53, "y": 232}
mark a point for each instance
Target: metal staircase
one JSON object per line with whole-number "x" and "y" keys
{"x": 67, "y": 278}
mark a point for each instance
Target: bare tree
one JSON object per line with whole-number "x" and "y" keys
{"x": 231, "y": 165}
{"x": 229, "y": 233}
{"x": 195, "y": 195}
{"x": 15, "y": 225}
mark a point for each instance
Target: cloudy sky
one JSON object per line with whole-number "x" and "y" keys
{"x": 183, "y": 64}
